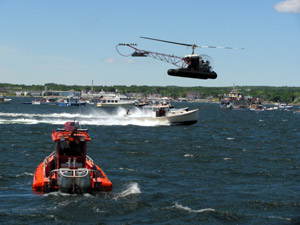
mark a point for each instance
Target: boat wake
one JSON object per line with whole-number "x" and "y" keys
{"x": 59, "y": 194}
{"x": 117, "y": 117}
{"x": 130, "y": 189}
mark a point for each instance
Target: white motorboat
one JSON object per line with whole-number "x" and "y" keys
{"x": 113, "y": 100}
{"x": 76, "y": 101}
{"x": 71, "y": 101}
{"x": 44, "y": 101}
{"x": 35, "y": 102}
{"x": 4, "y": 100}
{"x": 163, "y": 113}
{"x": 284, "y": 106}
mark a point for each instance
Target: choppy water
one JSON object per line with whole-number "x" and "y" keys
{"x": 232, "y": 167}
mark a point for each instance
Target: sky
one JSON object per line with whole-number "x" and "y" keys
{"x": 73, "y": 42}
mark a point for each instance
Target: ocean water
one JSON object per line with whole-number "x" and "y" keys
{"x": 231, "y": 167}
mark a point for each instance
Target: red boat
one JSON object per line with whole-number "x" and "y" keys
{"x": 68, "y": 168}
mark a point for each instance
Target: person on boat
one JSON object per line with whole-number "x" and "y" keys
{"x": 65, "y": 147}
{"x": 162, "y": 112}
{"x": 189, "y": 63}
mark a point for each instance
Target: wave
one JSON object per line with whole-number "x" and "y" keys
{"x": 227, "y": 158}
{"x": 58, "y": 194}
{"x": 189, "y": 155}
{"x": 230, "y": 138}
{"x": 92, "y": 117}
{"x": 25, "y": 174}
{"x": 131, "y": 189}
{"x": 188, "y": 209}
{"x": 126, "y": 169}
{"x": 58, "y": 115}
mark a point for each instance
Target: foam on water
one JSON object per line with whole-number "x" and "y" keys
{"x": 230, "y": 138}
{"x": 188, "y": 209}
{"x": 227, "y": 158}
{"x": 91, "y": 117}
{"x": 280, "y": 218}
{"x": 127, "y": 169}
{"x": 25, "y": 174}
{"x": 132, "y": 188}
{"x": 58, "y": 194}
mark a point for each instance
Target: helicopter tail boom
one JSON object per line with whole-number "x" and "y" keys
{"x": 172, "y": 59}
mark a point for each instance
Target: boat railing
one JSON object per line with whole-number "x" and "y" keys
{"x": 46, "y": 161}
{"x": 90, "y": 159}
{"x": 74, "y": 173}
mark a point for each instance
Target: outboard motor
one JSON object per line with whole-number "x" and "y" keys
{"x": 83, "y": 180}
{"x": 64, "y": 179}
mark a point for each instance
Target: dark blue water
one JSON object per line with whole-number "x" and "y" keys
{"x": 232, "y": 167}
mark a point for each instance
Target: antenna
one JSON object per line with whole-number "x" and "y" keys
{"x": 80, "y": 115}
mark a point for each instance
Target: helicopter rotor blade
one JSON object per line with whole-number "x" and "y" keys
{"x": 192, "y": 45}
{"x": 219, "y": 47}
{"x": 171, "y": 42}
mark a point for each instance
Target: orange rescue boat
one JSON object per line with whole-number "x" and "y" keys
{"x": 68, "y": 168}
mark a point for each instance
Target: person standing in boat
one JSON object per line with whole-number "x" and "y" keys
{"x": 162, "y": 112}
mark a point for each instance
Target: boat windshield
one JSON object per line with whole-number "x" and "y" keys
{"x": 72, "y": 148}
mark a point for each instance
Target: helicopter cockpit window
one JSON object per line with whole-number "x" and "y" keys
{"x": 201, "y": 63}
{"x": 72, "y": 148}
{"x": 195, "y": 63}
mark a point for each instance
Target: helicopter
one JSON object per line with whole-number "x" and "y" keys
{"x": 191, "y": 66}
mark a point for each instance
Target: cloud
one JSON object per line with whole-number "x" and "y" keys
{"x": 288, "y": 6}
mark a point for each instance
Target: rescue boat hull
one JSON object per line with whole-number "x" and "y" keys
{"x": 81, "y": 180}
{"x": 68, "y": 168}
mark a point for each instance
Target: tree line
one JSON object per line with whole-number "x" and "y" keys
{"x": 267, "y": 93}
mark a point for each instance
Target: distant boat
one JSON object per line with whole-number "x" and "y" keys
{"x": 115, "y": 100}
{"x": 35, "y": 102}
{"x": 234, "y": 100}
{"x": 62, "y": 102}
{"x": 259, "y": 108}
{"x": 272, "y": 108}
{"x": 4, "y": 100}
{"x": 284, "y": 106}
{"x": 71, "y": 101}
{"x": 42, "y": 101}
{"x": 226, "y": 104}
{"x": 48, "y": 101}
{"x": 76, "y": 101}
